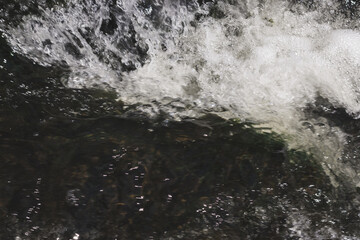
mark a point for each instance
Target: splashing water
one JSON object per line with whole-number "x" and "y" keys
{"x": 260, "y": 61}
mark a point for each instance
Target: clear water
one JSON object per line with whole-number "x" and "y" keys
{"x": 180, "y": 119}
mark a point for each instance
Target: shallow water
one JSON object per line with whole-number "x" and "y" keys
{"x": 179, "y": 120}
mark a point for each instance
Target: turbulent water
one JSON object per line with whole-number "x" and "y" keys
{"x": 264, "y": 62}
{"x": 261, "y": 61}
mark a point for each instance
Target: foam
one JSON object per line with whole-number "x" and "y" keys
{"x": 261, "y": 62}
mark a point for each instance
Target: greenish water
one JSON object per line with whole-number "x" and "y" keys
{"x": 75, "y": 162}
{"x": 78, "y": 163}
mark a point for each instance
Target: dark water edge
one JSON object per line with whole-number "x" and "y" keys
{"x": 76, "y": 161}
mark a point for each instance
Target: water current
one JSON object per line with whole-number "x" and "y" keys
{"x": 180, "y": 119}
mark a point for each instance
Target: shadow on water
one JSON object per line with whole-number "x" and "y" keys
{"x": 73, "y": 166}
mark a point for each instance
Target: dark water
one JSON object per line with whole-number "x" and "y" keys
{"x": 78, "y": 164}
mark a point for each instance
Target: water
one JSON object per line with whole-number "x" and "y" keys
{"x": 180, "y": 120}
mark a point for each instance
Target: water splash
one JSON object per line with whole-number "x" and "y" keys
{"x": 261, "y": 61}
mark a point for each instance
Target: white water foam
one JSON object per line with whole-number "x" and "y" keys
{"x": 261, "y": 62}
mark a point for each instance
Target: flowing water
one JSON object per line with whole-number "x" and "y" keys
{"x": 180, "y": 119}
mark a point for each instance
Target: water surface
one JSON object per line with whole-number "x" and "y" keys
{"x": 179, "y": 120}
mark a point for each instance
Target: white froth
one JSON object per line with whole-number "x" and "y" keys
{"x": 263, "y": 64}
